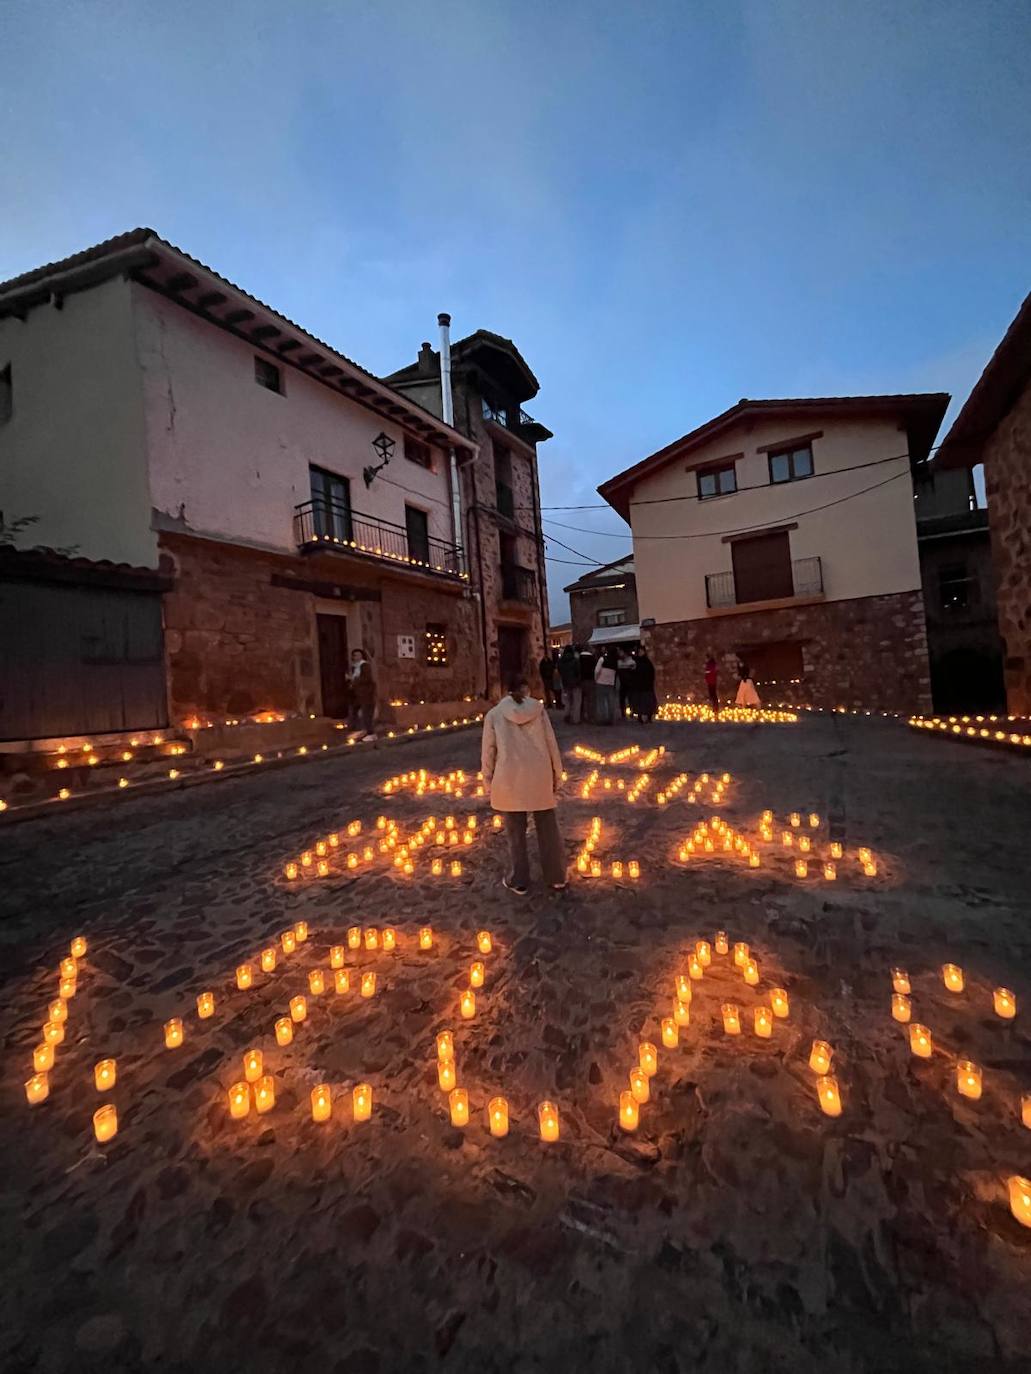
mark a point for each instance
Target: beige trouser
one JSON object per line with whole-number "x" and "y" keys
{"x": 549, "y": 843}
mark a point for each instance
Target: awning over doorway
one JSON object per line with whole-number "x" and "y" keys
{"x": 615, "y": 634}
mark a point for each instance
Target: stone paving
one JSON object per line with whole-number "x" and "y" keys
{"x": 737, "y": 1229}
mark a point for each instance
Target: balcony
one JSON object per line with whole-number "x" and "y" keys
{"x": 329, "y": 525}
{"x": 806, "y": 580}
{"x": 518, "y": 584}
{"x": 514, "y": 418}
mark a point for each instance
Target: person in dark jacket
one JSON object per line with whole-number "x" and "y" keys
{"x": 547, "y": 671}
{"x": 625, "y": 669}
{"x": 569, "y": 674}
{"x": 363, "y": 694}
{"x": 644, "y": 698}
{"x": 588, "y": 663}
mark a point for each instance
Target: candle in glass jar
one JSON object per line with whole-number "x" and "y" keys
{"x": 830, "y": 1097}
{"x": 870, "y": 869}
{"x": 354, "y": 937}
{"x": 633, "y": 868}
{"x": 750, "y": 972}
{"x": 721, "y": 942}
{"x": 69, "y": 968}
{"x": 288, "y": 941}
{"x": 174, "y": 1033}
{"x": 43, "y": 1057}
{"x": 952, "y": 977}
{"x": 105, "y": 1122}
{"x": 1005, "y": 1003}
{"x": 78, "y": 947}
{"x": 341, "y": 981}
{"x": 497, "y": 1116}
{"x": 244, "y": 976}
{"x": 458, "y": 1103}
{"x": 268, "y": 959}
{"x": 1025, "y": 1110}
{"x": 368, "y": 985}
{"x": 284, "y": 1030}
{"x": 321, "y": 1102}
{"x": 628, "y": 1111}
{"x": 265, "y": 1094}
{"x": 298, "y": 1008}
{"x": 336, "y": 956}
{"x": 476, "y": 975}
{"x": 389, "y": 938}
{"x": 968, "y": 1079}
{"x": 795, "y": 818}
{"x": 682, "y": 983}
{"x": 801, "y": 868}
{"x": 804, "y": 844}
{"x": 58, "y": 1010}
{"x": 371, "y": 938}
{"x": 820, "y": 1056}
{"x": 814, "y": 819}
{"x": 786, "y": 839}
{"x": 694, "y": 967}
{"x": 361, "y": 1100}
{"x": 456, "y": 868}
{"x": 763, "y": 1022}
{"x": 900, "y": 980}
{"x": 206, "y": 1005}
{"x": 468, "y": 1004}
{"x": 253, "y": 1061}
{"x": 682, "y": 1013}
{"x": 67, "y": 988}
{"x": 484, "y": 942}
{"x": 1020, "y": 1198}
{"x": 740, "y": 954}
{"x": 830, "y": 872}
{"x": 301, "y": 932}
{"x": 836, "y": 849}
{"x": 648, "y": 1057}
{"x": 445, "y": 1045}
{"x": 547, "y": 1118}
{"x": 316, "y": 982}
{"x": 731, "y": 1019}
{"x": 37, "y": 1089}
{"x": 640, "y": 1086}
{"x": 779, "y": 1002}
{"x": 920, "y": 1041}
{"x": 670, "y": 1032}
{"x": 425, "y": 937}
{"x": 704, "y": 952}
{"x": 53, "y": 1032}
{"x": 239, "y": 1101}
{"x": 901, "y": 1007}
{"x": 105, "y": 1073}
{"x": 447, "y": 1075}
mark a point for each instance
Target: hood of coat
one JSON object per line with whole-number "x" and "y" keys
{"x": 523, "y": 712}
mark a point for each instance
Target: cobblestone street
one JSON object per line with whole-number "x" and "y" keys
{"x": 737, "y": 1229}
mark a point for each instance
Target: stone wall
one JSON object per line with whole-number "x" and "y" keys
{"x": 238, "y": 641}
{"x": 1007, "y": 467}
{"x": 871, "y": 652}
{"x": 585, "y": 605}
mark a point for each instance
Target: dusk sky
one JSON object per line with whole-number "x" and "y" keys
{"x": 667, "y": 206}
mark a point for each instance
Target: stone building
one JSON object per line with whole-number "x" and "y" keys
{"x": 490, "y": 380}
{"x": 959, "y": 593}
{"x": 994, "y": 428}
{"x": 781, "y": 532}
{"x": 603, "y": 605}
{"x": 154, "y": 414}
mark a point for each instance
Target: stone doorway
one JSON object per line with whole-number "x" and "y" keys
{"x": 333, "y": 664}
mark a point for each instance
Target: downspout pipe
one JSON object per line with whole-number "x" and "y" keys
{"x": 447, "y": 406}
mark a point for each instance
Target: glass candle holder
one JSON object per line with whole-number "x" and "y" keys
{"x": 53, "y": 1032}
{"x": 721, "y": 942}
{"x": 828, "y": 1094}
{"x": 341, "y": 981}
{"x": 268, "y": 960}
{"x": 354, "y": 937}
{"x": 1020, "y": 1198}
{"x": 648, "y": 1057}
{"x": 288, "y": 941}
{"x": 497, "y": 1116}
{"x": 731, "y": 1019}
{"x": 750, "y": 972}
{"x": 316, "y": 982}
{"x": 58, "y": 1010}
{"x": 105, "y": 1122}
{"x": 105, "y": 1074}
{"x": 670, "y": 1032}
{"x": 37, "y": 1089}
{"x": 900, "y": 980}
{"x": 468, "y": 1004}
{"x": 244, "y": 976}
{"x": 547, "y": 1120}
{"x": 206, "y": 1005}
{"x": 968, "y": 1079}
{"x": 640, "y": 1085}
{"x": 801, "y": 868}
{"x": 458, "y": 1104}
{"x": 1004, "y": 1003}
{"x": 321, "y": 1102}
{"x": 952, "y": 977}
{"x": 368, "y": 985}
{"x": 426, "y": 937}
{"x": 901, "y": 1007}
{"x": 484, "y": 941}
{"x": 628, "y": 1111}
{"x": 69, "y": 967}
{"x": 920, "y": 1042}
{"x": 298, "y": 1008}
{"x": 78, "y": 947}
{"x": 820, "y": 1056}
{"x": 173, "y": 1033}
{"x": 43, "y": 1057}
{"x": 763, "y": 1022}
{"x": 284, "y": 1030}
{"x": 389, "y": 939}
{"x": 239, "y": 1101}
{"x": 740, "y": 954}
{"x": 336, "y": 956}
{"x": 476, "y": 973}
{"x": 836, "y": 850}
{"x": 445, "y": 1045}
{"x": 682, "y": 986}
{"x": 779, "y": 1003}
{"x": 682, "y": 1013}
{"x": 371, "y": 938}
{"x": 265, "y": 1094}
{"x": 301, "y": 932}
{"x": 1025, "y": 1110}
{"x": 447, "y": 1075}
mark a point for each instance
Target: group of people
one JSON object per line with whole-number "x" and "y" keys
{"x": 600, "y": 688}
{"x": 746, "y": 693}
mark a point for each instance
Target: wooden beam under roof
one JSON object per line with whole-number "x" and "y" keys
{"x": 237, "y": 316}
{"x": 286, "y": 345}
{"x": 182, "y": 281}
{"x": 265, "y": 331}
{"x": 211, "y": 298}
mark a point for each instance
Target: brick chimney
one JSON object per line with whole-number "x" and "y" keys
{"x": 428, "y": 365}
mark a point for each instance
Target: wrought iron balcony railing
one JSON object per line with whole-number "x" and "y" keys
{"x": 518, "y": 584}
{"x": 516, "y": 419}
{"x": 323, "y": 524}
{"x": 806, "y": 580}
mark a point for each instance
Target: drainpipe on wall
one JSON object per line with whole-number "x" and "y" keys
{"x": 448, "y": 416}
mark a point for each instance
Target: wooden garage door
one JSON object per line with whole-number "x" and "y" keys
{"x": 79, "y": 660}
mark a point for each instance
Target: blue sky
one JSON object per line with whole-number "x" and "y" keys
{"x": 667, "y": 205}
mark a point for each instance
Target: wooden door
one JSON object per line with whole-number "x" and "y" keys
{"x": 762, "y": 568}
{"x": 333, "y": 664}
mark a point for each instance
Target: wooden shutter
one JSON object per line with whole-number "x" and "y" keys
{"x": 762, "y": 568}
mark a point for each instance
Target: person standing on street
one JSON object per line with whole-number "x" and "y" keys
{"x": 625, "y": 668}
{"x": 547, "y": 671}
{"x": 645, "y": 701}
{"x": 587, "y": 666}
{"x": 522, "y": 768}
{"x": 605, "y": 687}
{"x": 569, "y": 673}
{"x": 363, "y": 695}
{"x": 712, "y": 674}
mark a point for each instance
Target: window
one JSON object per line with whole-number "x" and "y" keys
{"x": 417, "y": 525}
{"x": 418, "y": 452}
{"x": 791, "y": 464}
{"x": 331, "y": 504}
{"x": 436, "y": 646}
{"x": 492, "y": 412}
{"x": 612, "y": 617}
{"x": 717, "y": 481}
{"x": 958, "y": 589}
{"x": 6, "y": 395}
{"x": 268, "y": 375}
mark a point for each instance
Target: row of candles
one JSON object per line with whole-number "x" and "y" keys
{"x": 965, "y": 730}
{"x": 700, "y": 713}
{"x": 590, "y": 867}
{"x": 764, "y": 1017}
{"x": 421, "y": 781}
{"x": 316, "y": 862}
{"x": 37, "y": 1087}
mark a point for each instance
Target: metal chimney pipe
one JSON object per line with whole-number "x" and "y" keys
{"x": 448, "y": 415}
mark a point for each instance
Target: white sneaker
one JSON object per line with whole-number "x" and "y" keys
{"x": 366, "y": 738}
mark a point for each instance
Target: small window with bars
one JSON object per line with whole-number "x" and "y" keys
{"x": 436, "y": 646}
